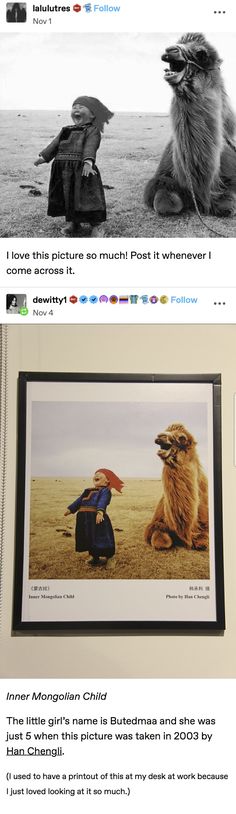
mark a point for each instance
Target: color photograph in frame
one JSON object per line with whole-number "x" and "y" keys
{"x": 119, "y": 508}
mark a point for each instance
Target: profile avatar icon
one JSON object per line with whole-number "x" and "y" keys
{"x": 16, "y": 304}
{"x": 16, "y": 12}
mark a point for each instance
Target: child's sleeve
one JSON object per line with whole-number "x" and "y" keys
{"x": 92, "y": 143}
{"x": 103, "y": 499}
{"x": 75, "y": 505}
{"x": 50, "y": 151}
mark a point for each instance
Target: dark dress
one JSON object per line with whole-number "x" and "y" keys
{"x": 98, "y": 539}
{"x": 72, "y": 194}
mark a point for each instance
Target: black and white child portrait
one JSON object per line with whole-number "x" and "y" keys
{"x": 15, "y": 302}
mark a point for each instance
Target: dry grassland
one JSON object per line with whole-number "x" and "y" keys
{"x": 130, "y": 151}
{"x": 52, "y": 552}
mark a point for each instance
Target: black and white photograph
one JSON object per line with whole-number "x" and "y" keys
{"x": 119, "y": 501}
{"x": 16, "y": 12}
{"x": 15, "y": 303}
{"x": 127, "y": 135}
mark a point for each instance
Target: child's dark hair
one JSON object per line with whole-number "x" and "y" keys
{"x": 101, "y": 113}
{"x": 9, "y": 300}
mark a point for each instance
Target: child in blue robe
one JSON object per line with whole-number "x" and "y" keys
{"x": 94, "y": 532}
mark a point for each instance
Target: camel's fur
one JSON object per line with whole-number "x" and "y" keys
{"x": 181, "y": 515}
{"x": 200, "y": 158}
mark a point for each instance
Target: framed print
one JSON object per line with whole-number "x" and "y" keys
{"x": 119, "y": 505}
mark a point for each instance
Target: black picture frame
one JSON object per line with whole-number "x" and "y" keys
{"x": 26, "y": 623}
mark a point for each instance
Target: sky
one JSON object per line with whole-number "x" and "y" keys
{"x": 74, "y": 439}
{"x": 47, "y": 71}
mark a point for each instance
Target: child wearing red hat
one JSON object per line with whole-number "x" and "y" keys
{"x": 94, "y": 532}
{"x": 75, "y": 188}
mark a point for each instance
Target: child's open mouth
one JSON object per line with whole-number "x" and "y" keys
{"x": 175, "y": 73}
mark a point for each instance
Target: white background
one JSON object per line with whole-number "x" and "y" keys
{"x": 117, "y": 600}
{"x": 150, "y": 698}
{"x": 213, "y": 697}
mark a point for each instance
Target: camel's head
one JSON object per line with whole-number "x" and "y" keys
{"x": 191, "y": 57}
{"x": 175, "y": 444}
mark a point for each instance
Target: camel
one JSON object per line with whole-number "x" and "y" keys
{"x": 198, "y": 166}
{"x": 181, "y": 516}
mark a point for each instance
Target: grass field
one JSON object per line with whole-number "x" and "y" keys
{"x": 52, "y": 552}
{"x": 130, "y": 151}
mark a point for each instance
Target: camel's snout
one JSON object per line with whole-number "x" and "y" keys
{"x": 164, "y": 442}
{"x": 173, "y": 53}
{"x": 177, "y": 64}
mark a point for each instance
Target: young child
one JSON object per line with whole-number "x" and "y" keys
{"x": 75, "y": 188}
{"x": 94, "y": 532}
{"x": 12, "y": 304}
